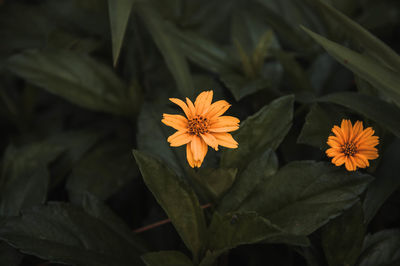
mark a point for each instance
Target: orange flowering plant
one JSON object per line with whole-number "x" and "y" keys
{"x": 203, "y": 126}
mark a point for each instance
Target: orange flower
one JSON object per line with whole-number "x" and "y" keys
{"x": 352, "y": 145}
{"x": 203, "y": 126}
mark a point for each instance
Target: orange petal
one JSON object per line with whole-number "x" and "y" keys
{"x": 217, "y": 109}
{"x": 369, "y": 154}
{"x": 204, "y": 149}
{"x": 196, "y": 147}
{"x": 362, "y": 158}
{"x": 189, "y": 156}
{"x": 179, "y": 138}
{"x": 182, "y": 105}
{"x": 334, "y": 142}
{"x": 210, "y": 140}
{"x": 364, "y": 134}
{"x": 339, "y": 133}
{"x": 226, "y": 140}
{"x": 176, "y": 121}
{"x": 224, "y": 129}
{"x": 359, "y": 162}
{"x": 357, "y": 129}
{"x": 347, "y": 129}
{"x": 224, "y": 121}
{"x": 191, "y": 106}
{"x": 203, "y": 101}
{"x": 339, "y": 159}
{"x": 370, "y": 141}
{"x": 332, "y": 152}
{"x": 349, "y": 164}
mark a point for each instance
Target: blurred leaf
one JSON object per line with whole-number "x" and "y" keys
{"x": 177, "y": 199}
{"x": 119, "y": 12}
{"x": 25, "y": 178}
{"x": 215, "y": 181}
{"x": 381, "y": 249}
{"x": 360, "y": 36}
{"x": 166, "y": 258}
{"x": 265, "y": 129}
{"x": 233, "y": 229}
{"x": 303, "y": 195}
{"x": 75, "y": 77}
{"x": 168, "y": 46}
{"x": 342, "y": 238}
{"x": 152, "y": 136}
{"x": 380, "y": 111}
{"x": 318, "y": 125}
{"x": 256, "y": 172}
{"x": 102, "y": 171}
{"x": 364, "y": 66}
{"x": 387, "y": 181}
{"x": 9, "y": 256}
{"x": 63, "y": 233}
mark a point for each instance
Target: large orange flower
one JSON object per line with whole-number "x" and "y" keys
{"x": 203, "y": 126}
{"x": 352, "y": 145}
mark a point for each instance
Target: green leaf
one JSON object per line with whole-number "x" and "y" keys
{"x": 177, "y": 199}
{"x": 75, "y": 77}
{"x": 9, "y": 256}
{"x": 360, "y": 36}
{"x": 386, "y": 182}
{"x": 233, "y": 229}
{"x": 364, "y": 66}
{"x": 256, "y": 172}
{"x": 25, "y": 178}
{"x": 265, "y": 129}
{"x": 303, "y": 195}
{"x": 168, "y": 46}
{"x": 166, "y": 258}
{"x": 318, "y": 125}
{"x": 102, "y": 171}
{"x": 380, "y": 111}
{"x": 348, "y": 230}
{"x": 119, "y": 12}
{"x": 62, "y": 233}
{"x": 381, "y": 249}
{"x": 215, "y": 181}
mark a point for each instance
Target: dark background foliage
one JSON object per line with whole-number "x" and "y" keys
{"x": 85, "y": 82}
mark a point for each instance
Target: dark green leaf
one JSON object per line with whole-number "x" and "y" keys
{"x": 174, "y": 59}
{"x": 256, "y": 172}
{"x": 364, "y": 66}
{"x": 119, "y": 12}
{"x": 381, "y": 249}
{"x": 343, "y": 237}
{"x": 9, "y": 256}
{"x": 265, "y": 129}
{"x": 304, "y": 195}
{"x": 25, "y": 178}
{"x": 65, "y": 234}
{"x": 177, "y": 199}
{"x": 75, "y": 77}
{"x": 387, "y": 181}
{"x": 102, "y": 171}
{"x": 166, "y": 258}
{"x": 380, "y": 111}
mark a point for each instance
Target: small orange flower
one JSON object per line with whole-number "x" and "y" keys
{"x": 352, "y": 145}
{"x": 203, "y": 126}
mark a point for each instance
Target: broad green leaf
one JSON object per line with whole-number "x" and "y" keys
{"x": 265, "y": 129}
{"x": 25, "y": 179}
{"x": 9, "y": 256}
{"x": 102, "y": 171}
{"x": 177, "y": 199}
{"x": 303, "y": 195}
{"x": 166, "y": 258}
{"x": 62, "y": 233}
{"x": 215, "y": 181}
{"x": 152, "y": 136}
{"x": 381, "y": 249}
{"x": 203, "y": 51}
{"x": 342, "y": 238}
{"x": 256, "y": 172}
{"x": 380, "y": 111}
{"x": 364, "y": 66}
{"x": 318, "y": 125}
{"x": 233, "y": 229}
{"x": 119, "y": 12}
{"x": 386, "y": 182}
{"x": 168, "y": 46}
{"x": 359, "y": 35}
{"x": 76, "y": 77}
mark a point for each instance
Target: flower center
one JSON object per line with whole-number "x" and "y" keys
{"x": 198, "y": 125}
{"x": 349, "y": 149}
